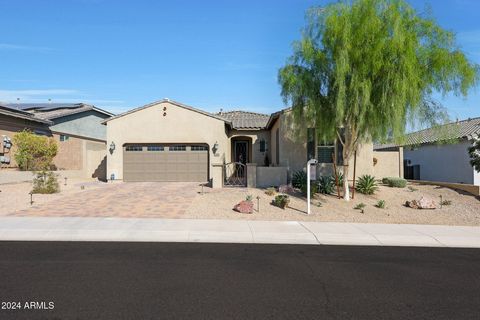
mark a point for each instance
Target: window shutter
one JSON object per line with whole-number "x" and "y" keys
{"x": 310, "y": 143}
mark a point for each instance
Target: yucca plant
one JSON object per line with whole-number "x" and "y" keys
{"x": 366, "y": 184}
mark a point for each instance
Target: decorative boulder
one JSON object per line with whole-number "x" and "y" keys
{"x": 244, "y": 207}
{"x": 285, "y": 188}
{"x": 426, "y": 203}
{"x": 423, "y": 203}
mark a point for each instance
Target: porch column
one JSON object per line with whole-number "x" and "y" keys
{"x": 251, "y": 175}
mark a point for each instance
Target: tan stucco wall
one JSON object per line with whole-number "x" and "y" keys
{"x": 95, "y": 160}
{"x": 256, "y": 136}
{"x": 293, "y": 150}
{"x": 271, "y": 176}
{"x": 178, "y": 126}
{"x": 389, "y": 164}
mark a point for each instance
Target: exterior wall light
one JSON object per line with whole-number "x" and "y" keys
{"x": 215, "y": 147}
{"x": 112, "y": 147}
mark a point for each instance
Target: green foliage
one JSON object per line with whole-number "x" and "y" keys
{"x": 270, "y": 191}
{"x": 395, "y": 182}
{"x": 249, "y": 197}
{"x": 326, "y": 184}
{"x": 474, "y": 153}
{"x": 380, "y": 204}
{"x": 366, "y": 184}
{"x": 363, "y": 69}
{"x": 360, "y": 206}
{"x": 45, "y": 182}
{"x": 34, "y": 152}
{"x": 340, "y": 179}
{"x": 313, "y": 188}
{"x": 281, "y": 200}
{"x": 446, "y": 202}
{"x": 299, "y": 179}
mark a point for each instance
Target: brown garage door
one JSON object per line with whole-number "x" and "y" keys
{"x": 164, "y": 162}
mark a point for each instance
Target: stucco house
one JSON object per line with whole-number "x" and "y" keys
{"x": 440, "y": 154}
{"x": 170, "y": 141}
{"x": 77, "y": 128}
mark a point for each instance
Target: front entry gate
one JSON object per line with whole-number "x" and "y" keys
{"x": 235, "y": 174}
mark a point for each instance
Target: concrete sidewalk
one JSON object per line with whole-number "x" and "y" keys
{"x": 235, "y": 231}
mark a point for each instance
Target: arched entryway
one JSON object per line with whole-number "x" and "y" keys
{"x": 241, "y": 149}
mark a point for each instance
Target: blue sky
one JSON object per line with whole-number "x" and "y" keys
{"x": 209, "y": 54}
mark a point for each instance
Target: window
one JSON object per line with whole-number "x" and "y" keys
{"x": 263, "y": 145}
{"x": 177, "y": 148}
{"x": 325, "y": 151}
{"x": 64, "y": 137}
{"x": 155, "y": 148}
{"x": 198, "y": 148}
{"x": 133, "y": 148}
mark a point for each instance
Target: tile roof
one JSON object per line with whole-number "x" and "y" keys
{"x": 465, "y": 129}
{"x": 246, "y": 120}
{"x": 49, "y": 111}
{"x": 22, "y": 115}
{"x": 469, "y": 129}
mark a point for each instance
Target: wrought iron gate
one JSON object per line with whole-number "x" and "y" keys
{"x": 235, "y": 174}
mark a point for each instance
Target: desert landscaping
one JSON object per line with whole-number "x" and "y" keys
{"x": 155, "y": 201}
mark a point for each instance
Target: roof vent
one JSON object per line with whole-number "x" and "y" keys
{"x": 221, "y": 111}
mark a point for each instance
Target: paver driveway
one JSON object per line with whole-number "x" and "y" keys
{"x": 142, "y": 199}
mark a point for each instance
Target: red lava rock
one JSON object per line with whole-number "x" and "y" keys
{"x": 244, "y": 207}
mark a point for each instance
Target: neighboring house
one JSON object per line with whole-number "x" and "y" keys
{"x": 440, "y": 154}
{"x": 76, "y": 128}
{"x": 170, "y": 141}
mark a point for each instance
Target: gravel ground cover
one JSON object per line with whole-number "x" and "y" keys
{"x": 463, "y": 210}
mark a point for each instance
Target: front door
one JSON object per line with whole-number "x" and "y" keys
{"x": 241, "y": 151}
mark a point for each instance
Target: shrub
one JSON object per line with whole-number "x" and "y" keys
{"x": 299, "y": 179}
{"x": 395, "y": 182}
{"x": 360, "y": 206}
{"x": 446, "y": 202}
{"x": 281, "y": 200}
{"x": 34, "y": 152}
{"x": 249, "y": 197}
{"x": 340, "y": 179}
{"x": 380, "y": 204}
{"x": 45, "y": 182}
{"x": 326, "y": 184}
{"x": 270, "y": 191}
{"x": 366, "y": 184}
{"x": 313, "y": 188}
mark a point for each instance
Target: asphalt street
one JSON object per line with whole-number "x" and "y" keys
{"x": 101, "y": 280}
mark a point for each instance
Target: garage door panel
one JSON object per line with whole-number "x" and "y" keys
{"x": 166, "y": 165}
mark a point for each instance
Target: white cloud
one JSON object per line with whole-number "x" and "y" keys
{"x": 11, "y": 46}
{"x": 34, "y": 95}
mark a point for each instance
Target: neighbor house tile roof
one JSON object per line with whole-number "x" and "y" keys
{"x": 246, "y": 120}
{"x": 50, "y": 111}
{"x": 465, "y": 129}
{"x": 22, "y": 115}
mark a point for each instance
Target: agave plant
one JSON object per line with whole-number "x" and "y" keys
{"x": 299, "y": 179}
{"x": 366, "y": 184}
{"x": 326, "y": 184}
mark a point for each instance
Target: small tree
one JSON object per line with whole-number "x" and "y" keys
{"x": 363, "y": 68}
{"x": 474, "y": 152}
{"x": 34, "y": 152}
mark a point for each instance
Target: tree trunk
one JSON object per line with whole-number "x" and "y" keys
{"x": 346, "y": 189}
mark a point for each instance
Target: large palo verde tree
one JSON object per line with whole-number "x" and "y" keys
{"x": 364, "y": 68}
